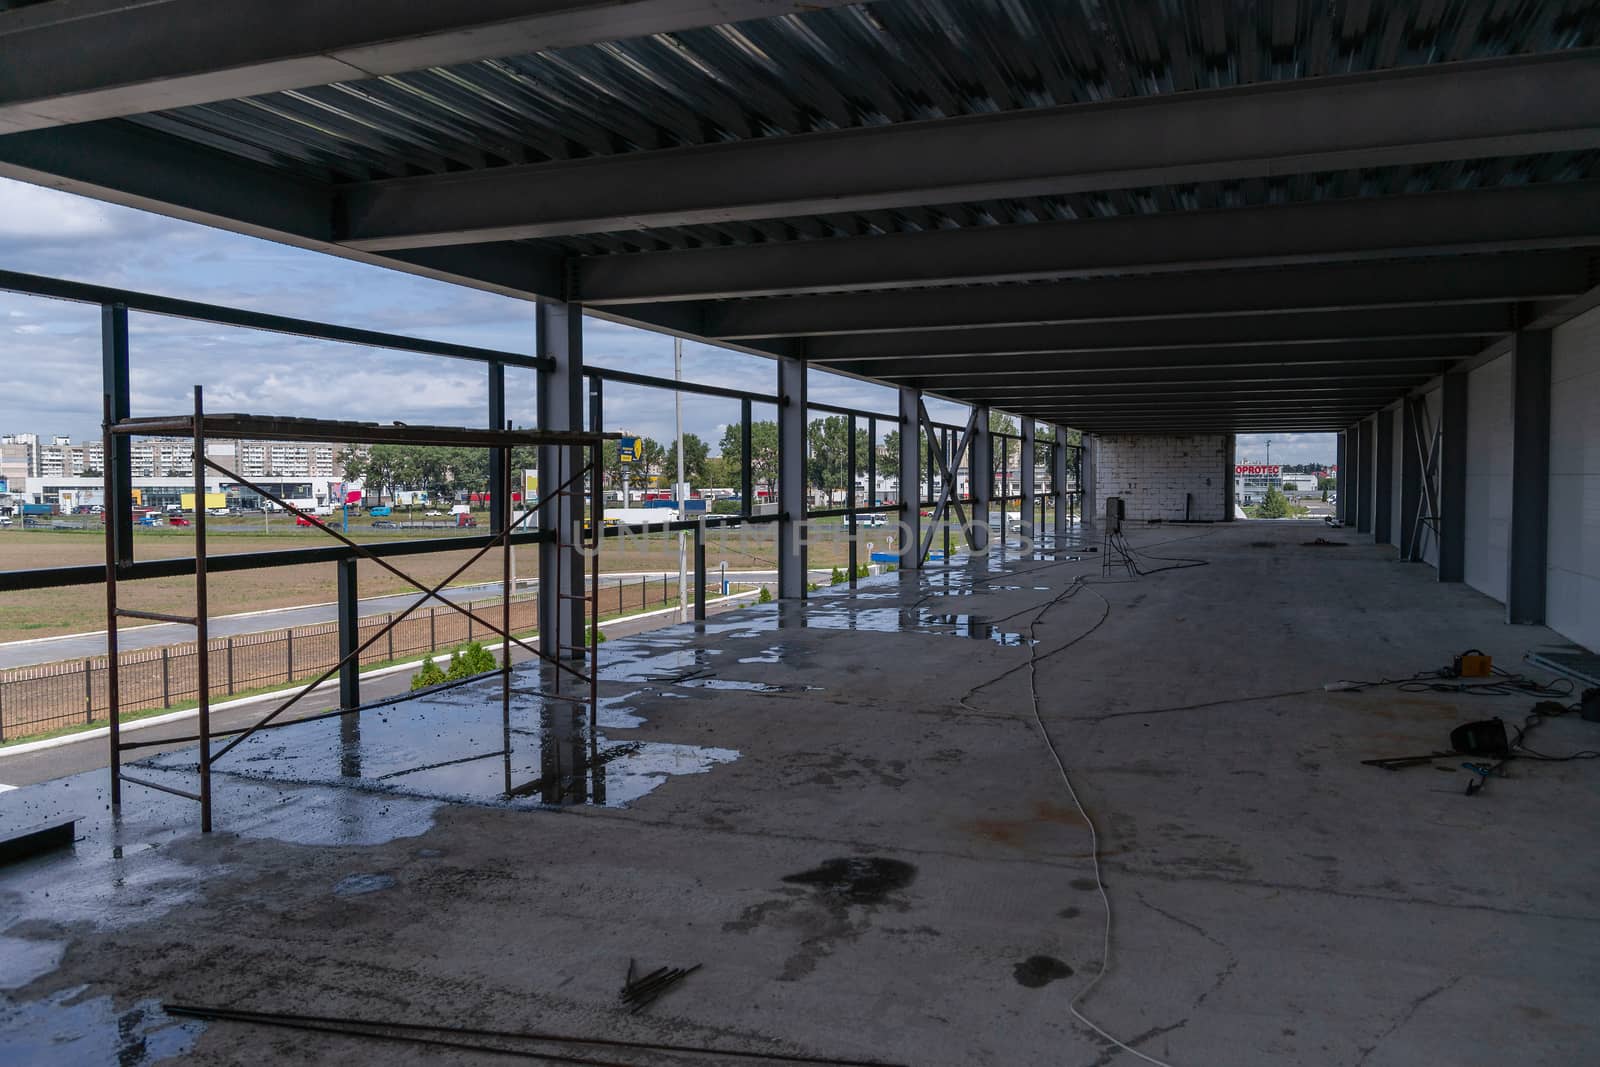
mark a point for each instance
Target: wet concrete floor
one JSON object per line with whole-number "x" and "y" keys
{"x": 844, "y": 810}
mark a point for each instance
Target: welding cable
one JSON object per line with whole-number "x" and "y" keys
{"x": 1078, "y": 585}
{"x": 413, "y": 1032}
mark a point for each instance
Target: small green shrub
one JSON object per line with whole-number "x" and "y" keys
{"x": 765, "y": 597}
{"x": 597, "y": 636}
{"x": 863, "y": 571}
{"x": 837, "y": 577}
{"x": 725, "y": 507}
{"x": 430, "y": 674}
{"x": 812, "y": 587}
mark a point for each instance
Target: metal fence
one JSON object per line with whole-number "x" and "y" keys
{"x": 51, "y": 696}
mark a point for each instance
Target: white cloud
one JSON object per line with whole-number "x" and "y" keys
{"x": 29, "y": 212}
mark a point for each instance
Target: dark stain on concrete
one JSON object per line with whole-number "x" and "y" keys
{"x": 1085, "y": 884}
{"x": 857, "y": 879}
{"x": 1069, "y": 913}
{"x": 1038, "y": 971}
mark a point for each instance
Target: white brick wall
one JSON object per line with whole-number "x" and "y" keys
{"x": 1155, "y": 473}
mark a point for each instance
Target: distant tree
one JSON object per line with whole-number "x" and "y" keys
{"x": 695, "y": 454}
{"x": 763, "y": 457}
{"x": 1274, "y": 505}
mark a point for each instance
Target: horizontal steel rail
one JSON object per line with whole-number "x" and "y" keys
{"x": 81, "y": 292}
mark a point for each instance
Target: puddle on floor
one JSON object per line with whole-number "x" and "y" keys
{"x": 62, "y": 1029}
{"x": 732, "y": 685}
{"x": 457, "y": 745}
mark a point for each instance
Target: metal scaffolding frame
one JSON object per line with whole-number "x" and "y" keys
{"x": 584, "y": 538}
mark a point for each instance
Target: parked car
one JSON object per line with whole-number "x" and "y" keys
{"x": 179, "y": 520}
{"x": 385, "y": 524}
{"x": 5, "y": 520}
{"x": 29, "y": 520}
{"x": 302, "y": 520}
{"x": 438, "y": 514}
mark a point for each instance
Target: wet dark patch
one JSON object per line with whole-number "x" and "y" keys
{"x": 857, "y": 879}
{"x": 1086, "y": 884}
{"x": 1069, "y": 913}
{"x": 1037, "y": 971}
{"x": 1263, "y": 544}
{"x": 357, "y": 884}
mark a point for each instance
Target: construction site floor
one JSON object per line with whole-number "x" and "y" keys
{"x": 847, "y": 812}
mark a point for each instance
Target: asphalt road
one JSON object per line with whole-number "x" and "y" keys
{"x": 77, "y": 646}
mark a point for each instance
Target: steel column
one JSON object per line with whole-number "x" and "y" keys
{"x": 1364, "y": 460}
{"x": 1453, "y": 479}
{"x": 1530, "y": 478}
{"x": 1383, "y": 480}
{"x": 980, "y": 463}
{"x": 1025, "y": 461}
{"x": 497, "y": 421}
{"x": 791, "y": 479}
{"x": 117, "y": 457}
{"x": 1058, "y": 483}
{"x": 746, "y": 481}
{"x": 559, "y": 336}
{"x": 1341, "y": 479}
{"x": 910, "y": 525}
{"x": 1410, "y": 477}
{"x": 349, "y": 635}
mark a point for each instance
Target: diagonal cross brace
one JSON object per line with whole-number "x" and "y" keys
{"x": 946, "y": 497}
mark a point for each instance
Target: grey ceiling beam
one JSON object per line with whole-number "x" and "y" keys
{"x": 1561, "y": 215}
{"x": 1417, "y": 115}
{"x": 1344, "y": 287}
{"x": 123, "y": 163}
{"x": 1382, "y": 324}
{"x": 1046, "y": 364}
{"x": 74, "y": 61}
{"x": 1027, "y": 386}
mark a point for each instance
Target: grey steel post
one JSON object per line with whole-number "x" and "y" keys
{"x": 700, "y": 571}
{"x": 117, "y": 450}
{"x": 1530, "y": 478}
{"x": 202, "y": 637}
{"x": 791, "y": 479}
{"x": 349, "y": 635}
{"x": 1453, "y": 479}
{"x": 497, "y": 421}
{"x": 560, "y": 405}
{"x": 1383, "y": 480}
{"x": 746, "y": 481}
{"x": 1364, "y": 472}
{"x": 910, "y": 479}
{"x": 1342, "y": 510}
{"x": 851, "y": 499}
{"x": 1410, "y": 477}
{"x": 1025, "y": 462}
{"x": 1058, "y": 483}
{"x": 1088, "y": 473}
{"x": 981, "y": 465}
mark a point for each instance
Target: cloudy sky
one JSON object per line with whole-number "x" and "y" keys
{"x": 49, "y": 363}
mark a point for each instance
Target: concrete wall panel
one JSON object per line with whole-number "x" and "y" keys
{"x": 1156, "y": 473}
{"x": 1573, "y": 584}
{"x": 1434, "y": 402}
{"x": 1488, "y": 533}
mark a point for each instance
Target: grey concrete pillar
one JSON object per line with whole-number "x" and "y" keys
{"x": 1453, "y": 479}
{"x": 1383, "y": 480}
{"x": 981, "y": 452}
{"x": 909, "y": 477}
{"x": 1230, "y": 453}
{"x": 791, "y": 479}
{"x": 1058, "y": 484}
{"x": 1365, "y": 468}
{"x": 1411, "y": 500}
{"x": 559, "y": 337}
{"x": 1342, "y": 510}
{"x": 1530, "y": 478}
{"x": 1030, "y": 490}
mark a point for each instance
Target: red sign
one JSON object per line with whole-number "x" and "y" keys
{"x": 1258, "y": 468}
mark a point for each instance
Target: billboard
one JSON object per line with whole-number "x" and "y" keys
{"x": 628, "y": 450}
{"x": 1272, "y": 471}
{"x": 213, "y": 500}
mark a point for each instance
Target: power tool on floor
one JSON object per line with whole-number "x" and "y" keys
{"x": 1473, "y": 663}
